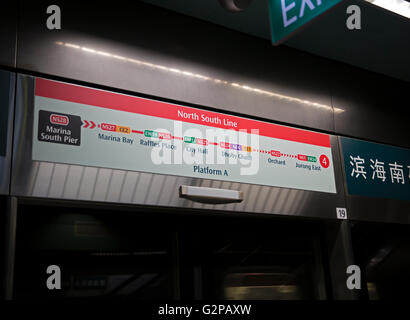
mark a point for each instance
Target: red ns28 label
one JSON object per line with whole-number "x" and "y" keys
{"x": 59, "y": 119}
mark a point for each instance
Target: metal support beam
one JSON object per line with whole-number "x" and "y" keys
{"x": 340, "y": 253}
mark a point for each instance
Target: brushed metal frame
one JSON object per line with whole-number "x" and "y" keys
{"x": 5, "y": 162}
{"x": 284, "y": 85}
{"x": 10, "y": 246}
{"x": 61, "y": 181}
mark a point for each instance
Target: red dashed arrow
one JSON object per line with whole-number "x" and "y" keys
{"x": 86, "y": 124}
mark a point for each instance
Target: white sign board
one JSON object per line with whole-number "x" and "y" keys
{"x": 86, "y": 126}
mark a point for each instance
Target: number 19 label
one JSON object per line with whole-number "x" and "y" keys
{"x": 341, "y": 213}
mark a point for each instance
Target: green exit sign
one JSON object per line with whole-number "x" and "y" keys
{"x": 286, "y": 16}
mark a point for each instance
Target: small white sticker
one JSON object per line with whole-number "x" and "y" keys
{"x": 341, "y": 213}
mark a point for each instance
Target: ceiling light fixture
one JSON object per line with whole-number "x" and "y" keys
{"x": 235, "y": 5}
{"x": 401, "y": 7}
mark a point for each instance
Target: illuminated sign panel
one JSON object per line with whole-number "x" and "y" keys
{"x": 85, "y": 126}
{"x": 286, "y": 16}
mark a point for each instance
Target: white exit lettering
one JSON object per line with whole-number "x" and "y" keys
{"x": 303, "y": 3}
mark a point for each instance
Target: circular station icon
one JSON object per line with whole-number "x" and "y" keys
{"x": 324, "y": 161}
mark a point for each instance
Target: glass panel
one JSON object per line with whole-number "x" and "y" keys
{"x": 114, "y": 256}
{"x": 146, "y": 255}
{"x": 383, "y": 253}
{"x": 256, "y": 260}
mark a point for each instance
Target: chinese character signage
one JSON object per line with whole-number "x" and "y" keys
{"x": 376, "y": 170}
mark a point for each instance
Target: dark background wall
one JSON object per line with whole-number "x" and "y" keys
{"x": 8, "y": 33}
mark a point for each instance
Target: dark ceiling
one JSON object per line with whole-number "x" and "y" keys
{"x": 382, "y": 45}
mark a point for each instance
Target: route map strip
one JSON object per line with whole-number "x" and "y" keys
{"x": 193, "y": 140}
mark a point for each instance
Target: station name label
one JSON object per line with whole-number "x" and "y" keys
{"x": 376, "y": 170}
{"x": 59, "y": 128}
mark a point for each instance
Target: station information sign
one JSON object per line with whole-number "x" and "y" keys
{"x": 86, "y": 126}
{"x": 376, "y": 170}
